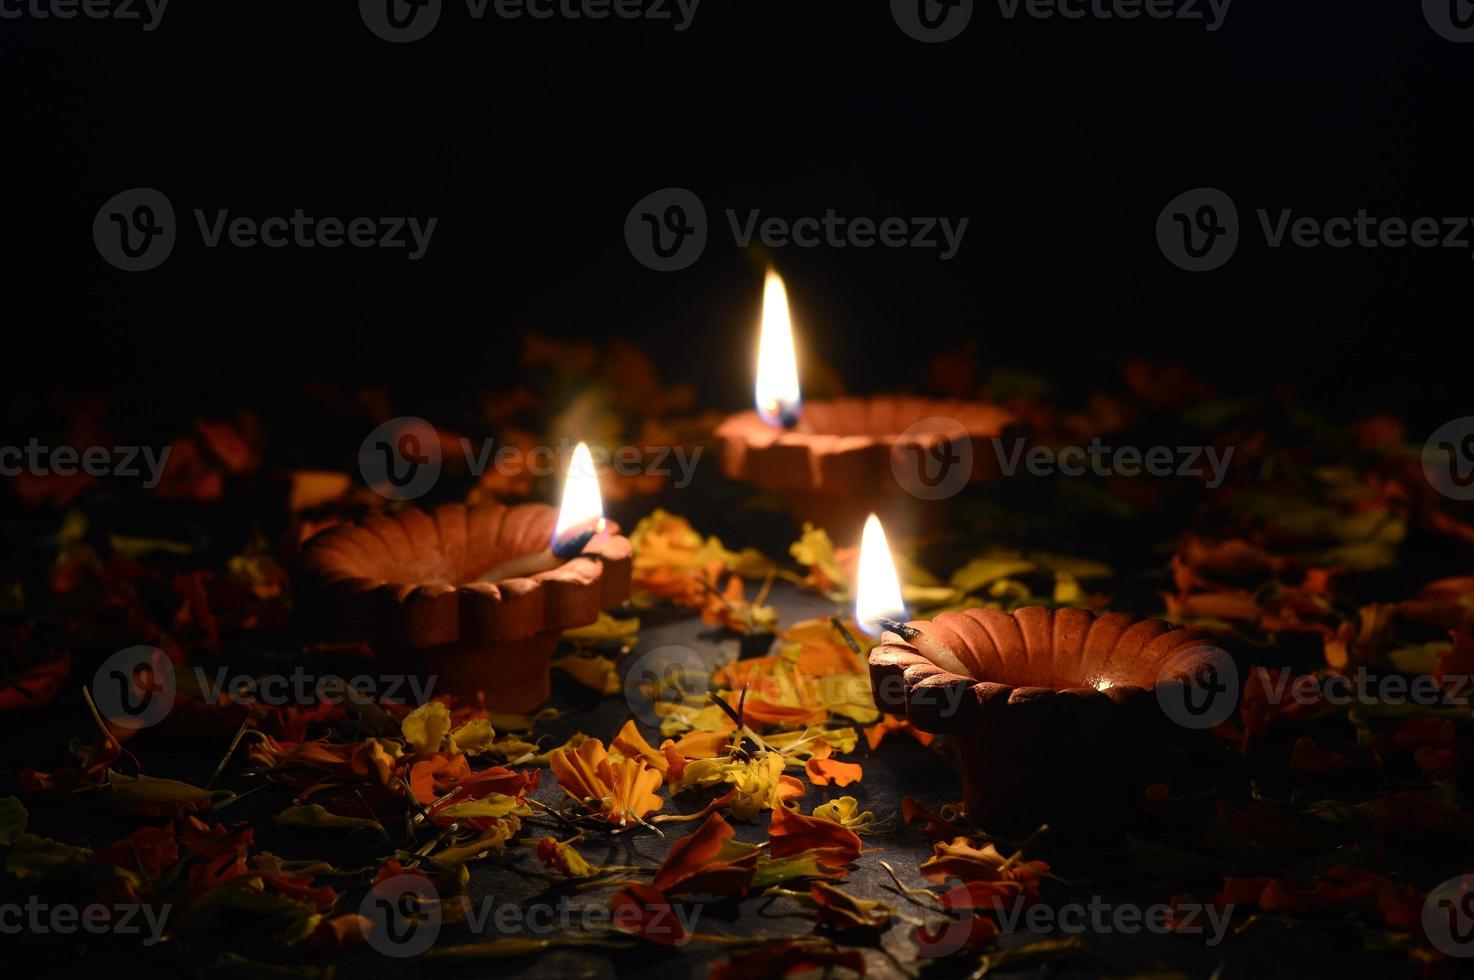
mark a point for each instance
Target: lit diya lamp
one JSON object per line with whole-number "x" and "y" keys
{"x": 1053, "y": 715}
{"x": 836, "y": 461}
{"x": 474, "y": 597}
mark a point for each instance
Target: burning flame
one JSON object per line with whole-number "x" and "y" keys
{"x": 777, "y": 394}
{"x": 878, "y": 591}
{"x": 582, "y": 513}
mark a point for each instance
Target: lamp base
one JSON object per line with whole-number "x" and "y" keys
{"x": 514, "y": 677}
{"x": 1081, "y": 792}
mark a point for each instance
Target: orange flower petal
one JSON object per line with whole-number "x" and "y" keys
{"x": 822, "y": 772}
{"x": 785, "y": 957}
{"x": 792, "y": 832}
{"x": 961, "y": 858}
{"x": 934, "y": 828}
{"x": 643, "y": 911}
{"x": 704, "y": 862}
{"x": 632, "y": 745}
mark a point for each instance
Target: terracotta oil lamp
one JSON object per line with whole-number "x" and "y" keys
{"x": 835, "y": 461}
{"x": 1053, "y": 714}
{"x": 475, "y": 597}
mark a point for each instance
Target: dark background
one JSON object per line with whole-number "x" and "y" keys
{"x": 1061, "y": 141}
{"x": 530, "y": 141}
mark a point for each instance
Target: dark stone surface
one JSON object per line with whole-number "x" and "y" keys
{"x": 900, "y": 767}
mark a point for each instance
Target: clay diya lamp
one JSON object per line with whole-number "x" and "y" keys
{"x": 474, "y": 597}
{"x": 849, "y": 457}
{"x": 836, "y": 461}
{"x": 1053, "y": 714}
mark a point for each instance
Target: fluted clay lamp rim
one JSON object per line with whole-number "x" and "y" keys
{"x": 844, "y": 445}
{"x": 1051, "y": 712}
{"x": 410, "y": 584}
{"x": 850, "y": 457}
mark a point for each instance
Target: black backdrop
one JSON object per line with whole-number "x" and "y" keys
{"x": 530, "y": 141}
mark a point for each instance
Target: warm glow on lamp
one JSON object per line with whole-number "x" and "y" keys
{"x": 582, "y": 513}
{"x": 777, "y": 393}
{"x": 878, "y": 590}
